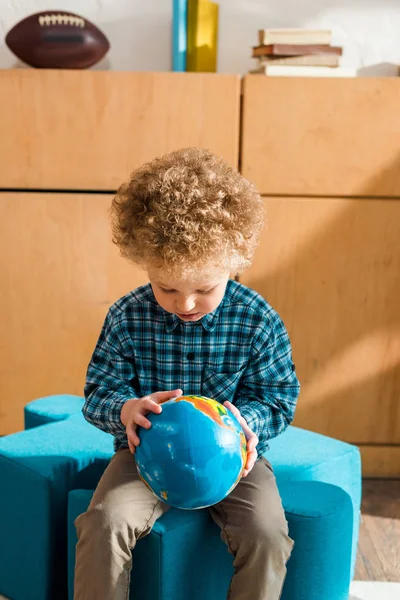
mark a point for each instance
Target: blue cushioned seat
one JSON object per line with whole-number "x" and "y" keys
{"x": 51, "y": 409}
{"x": 40, "y": 466}
{"x": 183, "y": 556}
{"x": 298, "y": 454}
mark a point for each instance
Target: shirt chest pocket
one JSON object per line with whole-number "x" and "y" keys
{"x": 220, "y": 386}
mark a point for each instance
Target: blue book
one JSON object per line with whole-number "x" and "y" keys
{"x": 179, "y": 34}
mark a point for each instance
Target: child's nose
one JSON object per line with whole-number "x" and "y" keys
{"x": 185, "y": 305}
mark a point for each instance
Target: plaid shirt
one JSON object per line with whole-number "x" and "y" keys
{"x": 240, "y": 352}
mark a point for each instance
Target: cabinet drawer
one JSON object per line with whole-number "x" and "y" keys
{"x": 60, "y": 273}
{"x": 327, "y": 137}
{"x": 330, "y": 267}
{"x": 87, "y": 130}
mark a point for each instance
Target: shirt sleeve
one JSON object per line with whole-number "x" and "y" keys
{"x": 269, "y": 388}
{"x": 110, "y": 378}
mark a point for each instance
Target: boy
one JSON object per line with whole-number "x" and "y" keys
{"x": 191, "y": 221}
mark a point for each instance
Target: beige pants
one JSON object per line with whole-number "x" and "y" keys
{"x": 123, "y": 510}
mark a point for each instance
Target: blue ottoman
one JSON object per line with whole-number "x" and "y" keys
{"x": 316, "y": 453}
{"x": 189, "y": 560}
{"x": 40, "y": 466}
{"x": 51, "y": 409}
{"x": 301, "y": 455}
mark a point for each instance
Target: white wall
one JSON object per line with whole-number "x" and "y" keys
{"x": 140, "y": 30}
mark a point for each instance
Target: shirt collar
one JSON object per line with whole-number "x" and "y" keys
{"x": 171, "y": 321}
{"x": 209, "y": 321}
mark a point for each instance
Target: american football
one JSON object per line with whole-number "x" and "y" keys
{"x": 57, "y": 40}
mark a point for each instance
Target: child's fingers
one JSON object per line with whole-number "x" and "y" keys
{"x": 251, "y": 452}
{"x": 252, "y": 439}
{"x": 239, "y": 417}
{"x": 252, "y": 442}
{"x": 142, "y": 421}
{"x": 160, "y": 397}
{"x": 134, "y": 440}
{"x": 251, "y": 459}
{"x": 247, "y": 431}
{"x": 132, "y": 434}
{"x": 152, "y": 406}
{"x": 132, "y": 444}
{"x": 233, "y": 409}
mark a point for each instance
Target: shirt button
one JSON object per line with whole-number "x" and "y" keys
{"x": 190, "y": 356}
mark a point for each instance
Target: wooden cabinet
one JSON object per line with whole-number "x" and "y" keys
{"x": 76, "y": 132}
{"x": 87, "y": 130}
{"x": 323, "y": 137}
{"x": 326, "y": 156}
{"x": 60, "y": 273}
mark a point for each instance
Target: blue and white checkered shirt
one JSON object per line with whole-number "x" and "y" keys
{"x": 240, "y": 352}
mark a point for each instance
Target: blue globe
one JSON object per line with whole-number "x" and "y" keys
{"x": 194, "y": 453}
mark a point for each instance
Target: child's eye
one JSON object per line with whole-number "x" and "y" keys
{"x": 167, "y": 291}
{"x": 203, "y": 292}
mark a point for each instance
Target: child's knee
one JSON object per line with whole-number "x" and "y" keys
{"x": 268, "y": 532}
{"x": 100, "y": 521}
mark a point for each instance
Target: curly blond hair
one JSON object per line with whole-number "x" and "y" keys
{"x": 187, "y": 211}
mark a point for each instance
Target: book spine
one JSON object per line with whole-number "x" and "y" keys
{"x": 296, "y": 50}
{"x": 318, "y": 60}
{"x": 179, "y": 35}
{"x": 192, "y": 10}
{"x": 294, "y": 36}
{"x": 298, "y": 71}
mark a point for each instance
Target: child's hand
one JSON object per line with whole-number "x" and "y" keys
{"x": 252, "y": 439}
{"x": 134, "y": 413}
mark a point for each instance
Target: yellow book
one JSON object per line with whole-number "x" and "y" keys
{"x": 202, "y": 36}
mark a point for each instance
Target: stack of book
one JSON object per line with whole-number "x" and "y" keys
{"x": 301, "y": 52}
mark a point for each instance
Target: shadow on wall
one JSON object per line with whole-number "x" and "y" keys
{"x": 331, "y": 268}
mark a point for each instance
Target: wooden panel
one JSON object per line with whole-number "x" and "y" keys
{"x": 60, "y": 272}
{"x": 331, "y": 269}
{"x": 338, "y": 137}
{"x": 90, "y": 129}
{"x": 380, "y": 461}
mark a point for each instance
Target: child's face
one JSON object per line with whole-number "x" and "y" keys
{"x": 189, "y": 299}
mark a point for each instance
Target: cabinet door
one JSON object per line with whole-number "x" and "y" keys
{"x": 331, "y": 268}
{"x": 60, "y": 272}
{"x": 87, "y": 130}
{"x": 321, "y": 136}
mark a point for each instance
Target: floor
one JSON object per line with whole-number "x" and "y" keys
{"x": 379, "y": 542}
{"x": 377, "y": 575}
